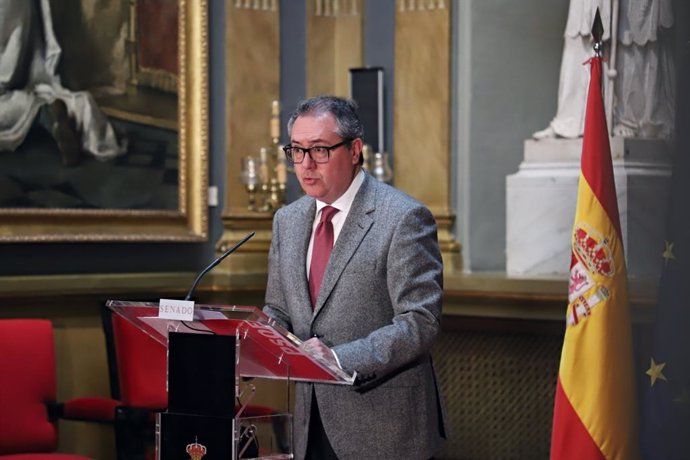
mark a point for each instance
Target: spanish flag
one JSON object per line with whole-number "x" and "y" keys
{"x": 595, "y": 415}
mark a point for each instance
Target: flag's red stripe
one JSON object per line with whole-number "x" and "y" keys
{"x": 569, "y": 438}
{"x": 597, "y": 167}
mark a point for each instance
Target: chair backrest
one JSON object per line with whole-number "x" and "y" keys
{"x": 27, "y": 383}
{"x": 140, "y": 366}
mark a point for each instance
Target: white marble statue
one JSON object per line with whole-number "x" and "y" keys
{"x": 29, "y": 56}
{"x": 644, "y": 77}
{"x": 645, "y": 84}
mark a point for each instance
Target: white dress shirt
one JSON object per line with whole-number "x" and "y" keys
{"x": 343, "y": 204}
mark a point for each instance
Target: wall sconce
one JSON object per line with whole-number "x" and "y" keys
{"x": 265, "y": 177}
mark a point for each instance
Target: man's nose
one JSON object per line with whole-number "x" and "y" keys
{"x": 308, "y": 162}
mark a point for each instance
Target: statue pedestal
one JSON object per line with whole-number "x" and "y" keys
{"x": 541, "y": 199}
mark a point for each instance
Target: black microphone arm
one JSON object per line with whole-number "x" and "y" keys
{"x": 216, "y": 262}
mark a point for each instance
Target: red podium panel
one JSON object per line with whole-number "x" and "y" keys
{"x": 265, "y": 348}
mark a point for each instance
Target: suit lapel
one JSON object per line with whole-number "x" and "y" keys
{"x": 358, "y": 223}
{"x": 299, "y": 232}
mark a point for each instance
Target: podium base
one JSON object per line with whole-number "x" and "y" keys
{"x": 181, "y": 436}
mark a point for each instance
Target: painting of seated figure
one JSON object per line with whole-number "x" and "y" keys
{"x": 90, "y": 112}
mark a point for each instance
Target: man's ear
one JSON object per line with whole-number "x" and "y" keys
{"x": 356, "y": 145}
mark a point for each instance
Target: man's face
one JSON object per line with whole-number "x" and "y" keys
{"x": 324, "y": 181}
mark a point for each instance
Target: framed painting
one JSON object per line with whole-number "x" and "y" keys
{"x": 104, "y": 136}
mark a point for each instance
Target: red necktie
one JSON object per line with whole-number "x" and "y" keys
{"x": 321, "y": 251}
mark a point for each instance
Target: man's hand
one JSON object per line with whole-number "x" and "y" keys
{"x": 316, "y": 347}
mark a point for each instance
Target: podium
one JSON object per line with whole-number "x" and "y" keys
{"x": 212, "y": 363}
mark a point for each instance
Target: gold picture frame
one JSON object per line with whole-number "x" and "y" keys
{"x": 187, "y": 223}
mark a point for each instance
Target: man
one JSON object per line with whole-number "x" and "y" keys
{"x": 377, "y": 309}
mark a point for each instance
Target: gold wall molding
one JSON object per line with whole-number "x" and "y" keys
{"x": 482, "y": 295}
{"x": 409, "y": 6}
{"x": 43, "y": 288}
{"x": 422, "y": 114}
{"x": 257, "y": 5}
{"x": 337, "y": 7}
{"x": 59, "y": 293}
{"x": 450, "y": 248}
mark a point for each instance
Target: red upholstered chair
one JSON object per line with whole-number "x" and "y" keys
{"x": 28, "y": 387}
{"x": 137, "y": 368}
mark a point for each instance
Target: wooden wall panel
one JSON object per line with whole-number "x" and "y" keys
{"x": 334, "y": 45}
{"x": 421, "y": 113}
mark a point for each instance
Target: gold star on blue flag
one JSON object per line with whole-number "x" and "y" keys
{"x": 655, "y": 372}
{"x": 668, "y": 252}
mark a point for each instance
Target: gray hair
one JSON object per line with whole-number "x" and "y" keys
{"x": 347, "y": 122}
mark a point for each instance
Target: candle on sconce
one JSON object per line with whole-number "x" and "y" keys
{"x": 268, "y": 171}
{"x": 275, "y": 121}
{"x": 263, "y": 165}
{"x": 281, "y": 172}
{"x": 366, "y": 154}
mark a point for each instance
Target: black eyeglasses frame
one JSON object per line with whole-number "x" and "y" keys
{"x": 307, "y": 151}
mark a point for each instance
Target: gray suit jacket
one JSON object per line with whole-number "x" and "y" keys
{"x": 379, "y": 309}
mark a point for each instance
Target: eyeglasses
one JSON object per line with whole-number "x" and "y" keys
{"x": 318, "y": 153}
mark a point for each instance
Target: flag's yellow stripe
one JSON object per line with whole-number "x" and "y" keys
{"x": 597, "y": 375}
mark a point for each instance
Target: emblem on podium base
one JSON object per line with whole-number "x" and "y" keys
{"x": 196, "y": 450}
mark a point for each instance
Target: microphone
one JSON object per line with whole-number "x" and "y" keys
{"x": 216, "y": 262}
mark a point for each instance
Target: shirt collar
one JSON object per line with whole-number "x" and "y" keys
{"x": 345, "y": 201}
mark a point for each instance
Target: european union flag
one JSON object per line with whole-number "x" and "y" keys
{"x": 665, "y": 411}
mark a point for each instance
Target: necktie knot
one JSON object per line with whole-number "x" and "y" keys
{"x": 327, "y": 213}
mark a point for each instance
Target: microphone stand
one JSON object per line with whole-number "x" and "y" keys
{"x": 216, "y": 262}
